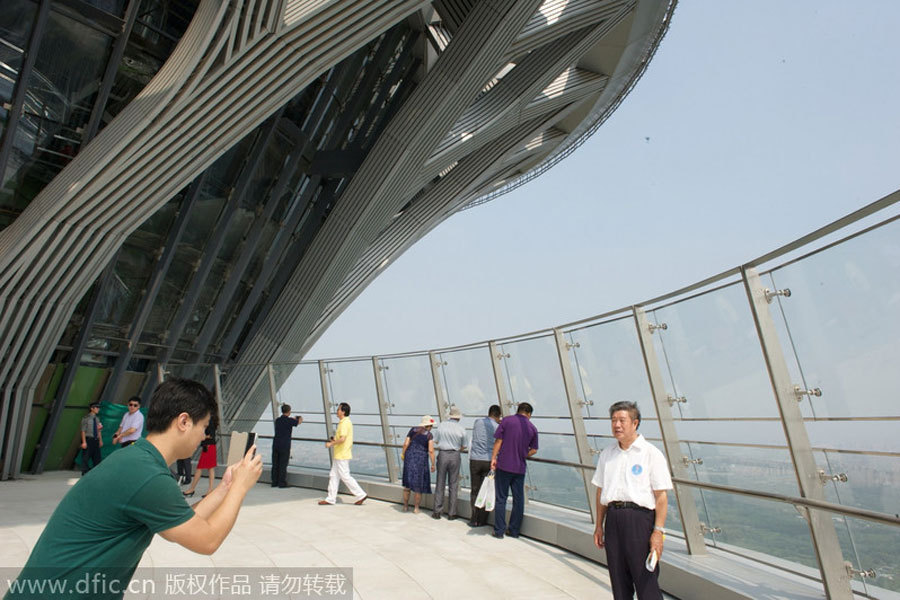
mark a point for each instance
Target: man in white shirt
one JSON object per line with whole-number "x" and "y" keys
{"x": 451, "y": 438}
{"x": 632, "y": 478}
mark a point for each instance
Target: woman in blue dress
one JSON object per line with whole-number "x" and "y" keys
{"x": 417, "y": 449}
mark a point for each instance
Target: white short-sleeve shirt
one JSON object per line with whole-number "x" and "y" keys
{"x": 632, "y": 475}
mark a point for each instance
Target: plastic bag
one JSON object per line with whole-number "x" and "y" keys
{"x": 486, "y": 494}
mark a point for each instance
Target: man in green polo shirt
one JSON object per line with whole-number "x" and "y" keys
{"x": 95, "y": 538}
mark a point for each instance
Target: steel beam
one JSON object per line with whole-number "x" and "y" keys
{"x": 327, "y": 405}
{"x": 439, "y": 397}
{"x": 835, "y": 575}
{"x": 506, "y": 405}
{"x": 383, "y": 410}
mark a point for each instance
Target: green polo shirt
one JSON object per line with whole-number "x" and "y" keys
{"x": 104, "y": 523}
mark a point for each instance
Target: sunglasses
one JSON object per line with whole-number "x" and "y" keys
{"x": 130, "y": 404}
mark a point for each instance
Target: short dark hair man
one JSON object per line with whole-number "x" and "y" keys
{"x": 281, "y": 445}
{"x": 132, "y": 424}
{"x": 102, "y": 526}
{"x": 91, "y": 441}
{"x": 632, "y": 478}
{"x": 515, "y": 440}
{"x": 480, "y": 460}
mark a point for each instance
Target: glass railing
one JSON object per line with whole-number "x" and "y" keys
{"x": 772, "y": 388}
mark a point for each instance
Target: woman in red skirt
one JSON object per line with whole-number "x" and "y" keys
{"x": 207, "y": 461}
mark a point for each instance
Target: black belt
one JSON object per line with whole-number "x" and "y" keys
{"x": 620, "y": 504}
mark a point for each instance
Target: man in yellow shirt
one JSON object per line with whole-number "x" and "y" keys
{"x": 342, "y": 442}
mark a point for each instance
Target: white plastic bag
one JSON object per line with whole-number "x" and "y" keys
{"x": 486, "y": 494}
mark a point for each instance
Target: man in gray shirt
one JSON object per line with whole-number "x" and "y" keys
{"x": 91, "y": 442}
{"x": 480, "y": 460}
{"x": 451, "y": 438}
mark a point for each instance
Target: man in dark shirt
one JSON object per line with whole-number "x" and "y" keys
{"x": 281, "y": 445}
{"x": 515, "y": 440}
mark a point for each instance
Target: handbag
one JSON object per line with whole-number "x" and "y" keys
{"x": 485, "y": 498}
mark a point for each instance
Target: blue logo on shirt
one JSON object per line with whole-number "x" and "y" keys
{"x": 636, "y": 469}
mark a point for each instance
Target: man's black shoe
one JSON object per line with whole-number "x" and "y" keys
{"x": 499, "y": 536}
{"x": 435, "y": 515}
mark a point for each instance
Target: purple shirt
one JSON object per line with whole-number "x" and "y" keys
{"x": 519, "y": 435}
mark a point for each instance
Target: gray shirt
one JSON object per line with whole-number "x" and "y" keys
{"x": 482, "y": 439}
{"x": 87, "y": 424}
{"x": 450, "y": 435}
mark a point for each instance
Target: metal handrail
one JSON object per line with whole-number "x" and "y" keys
{"x": 848, "y": 511}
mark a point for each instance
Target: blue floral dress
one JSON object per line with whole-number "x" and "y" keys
{"x": 416, "y": 472}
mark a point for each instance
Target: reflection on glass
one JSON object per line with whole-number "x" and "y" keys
{"x": 409, "y": 386}
{"x": 353, "y": 382}
{"x": 531, "y": 376}
{"x": 609, "y": 367}
{"x": 468, "y": 378}
{"x": 843, "y": 316}
{"x": 712, "y": 356}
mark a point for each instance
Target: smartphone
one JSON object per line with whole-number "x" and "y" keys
{"x": 251, "y": 439}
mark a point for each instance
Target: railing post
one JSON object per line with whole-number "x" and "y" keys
{"x": 439, "y": 398}
{"x": 223, "y": 427}
{"x": 505, "y": 404}
{"x": 273, "y": 393}
{"x": 687, "y": 509}
{"x": 835, "y": 576}
{"x": 386, "y": 434}
{"x": 326, "y": 401}
{"x": 585, "y": 456}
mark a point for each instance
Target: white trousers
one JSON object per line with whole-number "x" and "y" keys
{"x": 340, "y": 471}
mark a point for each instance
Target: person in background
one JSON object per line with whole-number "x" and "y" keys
{"x": 480, "y": 460}
{"x": 91, "y": 441}
{"x": 342, "y": 442}
{"x": 132, "y": 424}
{"x": 451, "y": 438}
{"x": 515, "y": 440}
{"x": 207, "y": 461}
{"x": 632, "y": 477}
{"x": 418, "y": 448}
{"x": 281, "y": 445}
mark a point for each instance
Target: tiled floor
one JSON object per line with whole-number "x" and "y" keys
{"x": 393, "y": 554}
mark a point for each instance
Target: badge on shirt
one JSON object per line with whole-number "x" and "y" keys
{"x": 636, "y": 469}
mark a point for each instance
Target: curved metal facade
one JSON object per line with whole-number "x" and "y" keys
{"x": 215, "y": 181}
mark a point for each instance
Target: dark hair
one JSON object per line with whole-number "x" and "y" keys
{"x": 135, "y": 399}
{"x": 285, "y": 409}
{"x": 494, "y": 411}
{"x": 345, "y": 408}
{"x": 94, "y": 405}
{"x": 630, "y": 407}
{"x": 524, "y": 409}
{"x": 175, "y": 396}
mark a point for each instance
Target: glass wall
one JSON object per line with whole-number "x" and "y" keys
{"x": 707, "y": 382}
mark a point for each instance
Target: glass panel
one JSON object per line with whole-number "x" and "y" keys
{"x": 468, "y": 378}
{"x": 299, "y": 385}
{"x": 843, "y": 319}
{"x": 353, "y": 382}
{"x": 556, "y": 484}
{"x": 609, "y": 367}
{"x": 878, "y": 548}
{"x": 408, "y": 386}
{"x": 732, "y": 432}
{"x": 533, "y": 375}
{"x": 770, "y": 528}
{"x": 712, "y": 356}
{"x": 765, "y": 469}
{"x": 872, "y": 480}
{"x": 60, "y": 95}
{"x": 311, "y": 455}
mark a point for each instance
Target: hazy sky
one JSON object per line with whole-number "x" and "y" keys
{"x": 755, "y": 123}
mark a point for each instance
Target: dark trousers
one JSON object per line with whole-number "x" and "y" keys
{"x": 92, "y": 452}
{"x": 627, "y": 532}
{"x": 504, "y": 481}
{"x": 447, "y": 472}
{"x": 280, "y": 457}
{"x": 479, "y": 470}
{"x": 183, "y": 467}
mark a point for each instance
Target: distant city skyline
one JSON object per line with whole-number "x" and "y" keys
{"x": 753, "y": 125}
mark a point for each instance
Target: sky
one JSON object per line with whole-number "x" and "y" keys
{"x": 754, "y": 124}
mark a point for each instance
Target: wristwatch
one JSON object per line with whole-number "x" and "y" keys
{"x": 660, "y": 529}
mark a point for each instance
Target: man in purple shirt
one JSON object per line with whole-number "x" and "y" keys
{"x": 515, "y": 440}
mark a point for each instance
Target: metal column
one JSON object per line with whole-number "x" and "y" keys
{"x": 585, "y": 454}
{"x": 690, "y": 521}
{"x": 835, "y": 575}
{"x": 502, "y": 396}
{"x": 439, "y": 398}
{"x": 385, "y": 425}
{"x": 273, "y": 392}
{"x": 326, "y": 402}
{"x": 223, "y": 427}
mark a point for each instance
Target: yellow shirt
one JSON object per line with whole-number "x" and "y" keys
{"x": 344, "y": 429}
